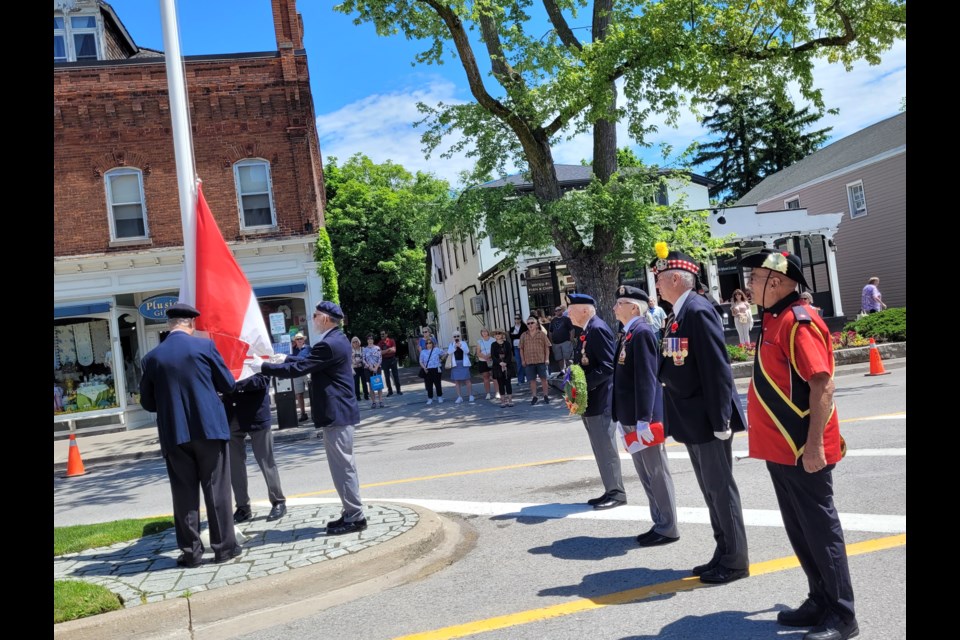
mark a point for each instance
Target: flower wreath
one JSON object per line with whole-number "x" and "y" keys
{"x": 575, "y": 390}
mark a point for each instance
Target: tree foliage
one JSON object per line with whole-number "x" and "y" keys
{"x": 548, "y": 79}
{"x": 327, "y": 268}
{"x": 380, "y": 219}
{"x": 754, "y": 137}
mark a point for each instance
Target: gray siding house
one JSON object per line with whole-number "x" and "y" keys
{"x": 863, "y": 176}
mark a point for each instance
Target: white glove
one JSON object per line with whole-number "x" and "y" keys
{"x": 723, "y": 435}
{"x": 644, "y": 432}
{"x": 256, "y": 364}
{"x": 277, "y": 358}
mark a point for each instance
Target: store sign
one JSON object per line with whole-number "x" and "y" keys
{"x": 539, "y": 285}
{"x": 278, "y": 323}
{"x": 155, "y": 308}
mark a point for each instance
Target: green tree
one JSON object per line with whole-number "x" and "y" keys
{"x": 327, "y": 269}
{"x": 545, "y": 82}
{"x": 379, "y": 219}
{"x": 754, "y": 138}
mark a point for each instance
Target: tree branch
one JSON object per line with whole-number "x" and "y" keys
{"x": 505, "y": 73}
{"x": 560, "y": 25}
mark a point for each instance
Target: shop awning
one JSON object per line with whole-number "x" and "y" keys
{"x": 280, "y": 289}
{"x": 81, "y": 309}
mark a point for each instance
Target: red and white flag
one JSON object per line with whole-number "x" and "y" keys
{"x": 229, "y": 312}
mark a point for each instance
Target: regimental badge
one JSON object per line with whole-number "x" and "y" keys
{"x": 676, "y": 348}
{"x": 622, "y": 291}
{"x": 661, "y": 264}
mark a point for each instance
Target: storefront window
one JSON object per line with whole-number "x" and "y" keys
{"x": 82, "y": 366}
{"x": 294, "y": 318}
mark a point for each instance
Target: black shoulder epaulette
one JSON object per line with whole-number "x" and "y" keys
{"x": 801, "y": 314}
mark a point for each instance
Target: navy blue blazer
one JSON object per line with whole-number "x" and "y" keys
{"x": 699, "y": 397}
{"x": 598, "y": 344}
{"x": 181, "y": 378}
{"x": 250, "y": 403}
{"x": 637, "y": 394}
{"x": 330, "y": 365}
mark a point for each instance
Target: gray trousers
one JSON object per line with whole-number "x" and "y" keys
{"x": 651, "y": 465}
{"x": 338, "y": 442}
{"x": 713, "y": 465}
{"x": 262, "y": 442}
{"x": 603, "y": 439}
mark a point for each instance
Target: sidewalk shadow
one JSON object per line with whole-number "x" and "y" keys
{"x": 541, "y": 513}
{"x": 723, "y": 624}
{"x": 588, "y": 548}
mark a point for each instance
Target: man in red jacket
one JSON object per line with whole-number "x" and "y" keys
{"x": 795, "y": 428}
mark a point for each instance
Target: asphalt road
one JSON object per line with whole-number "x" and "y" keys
{"x": 544, "y": 564}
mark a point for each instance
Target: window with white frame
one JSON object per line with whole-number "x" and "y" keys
{"x": 792, "y": 203}
{"x": 125, "y": 202}
{"x": 857, "y": 200}
{"x": 76, "y": 38}
{"x": 254, "y": 194}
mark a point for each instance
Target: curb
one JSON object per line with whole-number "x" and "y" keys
{"x": 434, "y": 543}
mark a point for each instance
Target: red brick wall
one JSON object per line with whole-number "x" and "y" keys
{"x": 118, "y": 114}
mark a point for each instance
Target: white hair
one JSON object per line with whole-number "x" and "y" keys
{"x": 688, "y": 279}
{"x": 642, "y": 307}
{"x": 173, "y": 323}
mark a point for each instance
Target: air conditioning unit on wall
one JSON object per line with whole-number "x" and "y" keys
{"x": 476, "y": 305}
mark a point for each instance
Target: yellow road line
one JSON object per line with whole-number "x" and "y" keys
{"x": 631, "y": 595}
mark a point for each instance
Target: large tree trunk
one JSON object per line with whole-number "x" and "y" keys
{"x": 597, "y": 276}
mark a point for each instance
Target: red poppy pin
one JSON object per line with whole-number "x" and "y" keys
{"x": 629, "y": 335}
{"x": 674, "y": 326}
{"x": 583, "y": 338}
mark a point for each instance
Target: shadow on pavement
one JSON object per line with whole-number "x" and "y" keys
{"x": 723, "y": 624}
{"x": 588, "y": 548}
{"x": 541, "y": 513}
{"x": 594, "y": 586}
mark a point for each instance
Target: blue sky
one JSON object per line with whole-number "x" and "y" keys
{"x": 365, "y": 89}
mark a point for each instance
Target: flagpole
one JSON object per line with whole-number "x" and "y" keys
{"x": 182, "y": 147}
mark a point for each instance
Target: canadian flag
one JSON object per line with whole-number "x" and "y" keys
{"x": 229, "y": 312}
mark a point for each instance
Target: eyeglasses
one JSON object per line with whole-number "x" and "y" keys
{"x": 531, "y": 323}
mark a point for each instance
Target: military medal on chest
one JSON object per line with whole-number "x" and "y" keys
{"x": 623, "y": 349}
{"x": 676, "y": 348}
{"x": 584, "y": 360}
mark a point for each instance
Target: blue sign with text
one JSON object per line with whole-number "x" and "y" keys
{"x": 155, "y": 308}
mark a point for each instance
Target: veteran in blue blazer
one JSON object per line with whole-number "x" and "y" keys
{"x": 181, "y": 379}
{"x": 334, "y": 408}
{"x": 701, "y": 408}
{"x": 593, "y": 351}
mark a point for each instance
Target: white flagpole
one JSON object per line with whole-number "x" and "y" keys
{"x": 182, "y": 147}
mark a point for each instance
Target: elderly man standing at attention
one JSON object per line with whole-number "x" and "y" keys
{"x": 638, "y": 402}
{"x": 181, "y": 378}
{"x": 334, "y": 408}
{"x": 593, "y": 351}
{"x": 701, "y": 409}
{"x": 795, "y": 428}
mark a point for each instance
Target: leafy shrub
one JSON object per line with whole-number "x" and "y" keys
{"x": 889, "y": 325}
{"x": 741, "y": 352}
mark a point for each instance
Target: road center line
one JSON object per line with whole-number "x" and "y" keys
{"x": 631, "y": 595}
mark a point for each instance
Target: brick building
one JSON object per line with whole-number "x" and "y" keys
{"x": 118, "y": 237}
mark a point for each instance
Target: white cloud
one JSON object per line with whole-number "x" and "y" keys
{"x": 381, "y": 127}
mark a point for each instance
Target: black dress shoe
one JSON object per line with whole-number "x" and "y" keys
{"x": 242, "y": 515}
{"x": 304, "y": 417}
{"x": 593, "y": 501}
{"x": 808, "y": 614}
{"x": 347, "y": 527}
{"x": 646, "y": 534}
{"x": 609, "y": 503}
{"x": 655, "y": 540}
{"x": 335, "y": 523}
{"x": 833, "y": 628}
{"x": 722, "y": 575}
{"x": 279, "y": 510}
{"x": 188, "y": 562}
{"x": 230, "y": 555}
{"x": 700, "y": 569}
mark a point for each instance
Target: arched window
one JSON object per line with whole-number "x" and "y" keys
{"x": 126, "y": 204}
{"x": 254, "y": 194}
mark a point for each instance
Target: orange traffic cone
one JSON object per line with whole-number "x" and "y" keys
{"x": 74, "y": 463}
{"x": 876, "y": 364}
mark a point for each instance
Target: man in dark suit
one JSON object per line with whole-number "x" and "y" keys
{"x": 638, "y": 402}
{"x": 701, "y": 408}
{"x": 181, "y": 378}
{"x": 334, "y": 408}
{"x": 593, "y": 351}
{"x": 248, "y": 413}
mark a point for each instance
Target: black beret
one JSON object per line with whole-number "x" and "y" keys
{"x": 181, "y": 310}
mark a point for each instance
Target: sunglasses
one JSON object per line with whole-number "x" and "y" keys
{"x": 531, "y": 323}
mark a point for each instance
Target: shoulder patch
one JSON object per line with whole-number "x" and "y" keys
{"x": 801, "y": 314}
